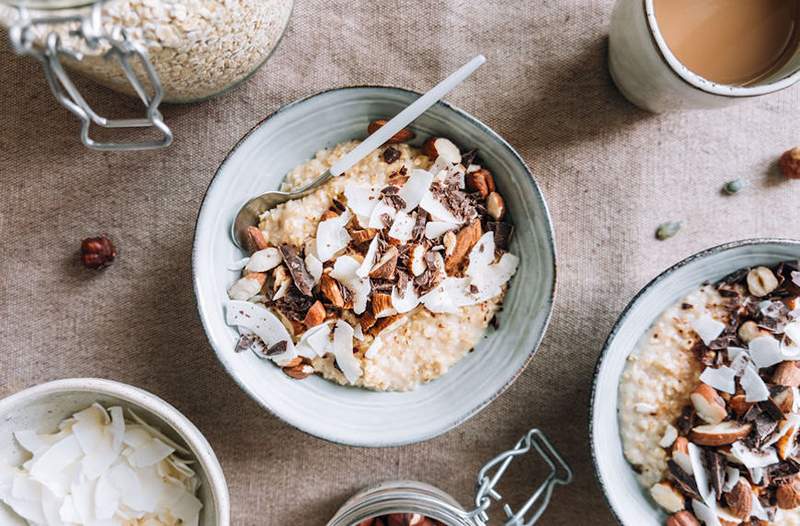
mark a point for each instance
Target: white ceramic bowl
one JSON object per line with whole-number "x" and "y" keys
{"x": 344, "y": 414}
{"x": 44, "y": 406}
{"x": 627, "y": 499}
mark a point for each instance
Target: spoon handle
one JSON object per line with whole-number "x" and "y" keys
{"x": 405, "y": 117}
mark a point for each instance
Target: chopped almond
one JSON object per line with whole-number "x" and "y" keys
{"x": 465, "y": 240}
{"x": 362, "y": 235}
{"x": 386, "y": 265}
{"x": 330, "y": 289}
{"x": 255, "y": 239}
{"x": 382, "y": 305}
{"x": 315, "y": 315}
{"x": 719, "y": 434}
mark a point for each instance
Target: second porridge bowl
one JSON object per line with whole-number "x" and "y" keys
{"x": 311, "y": 132}
{"x": 708, "y": 329}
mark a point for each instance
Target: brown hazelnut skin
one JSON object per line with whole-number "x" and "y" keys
{"x": 97, "y": 252}
{"x": 790, "y": 163}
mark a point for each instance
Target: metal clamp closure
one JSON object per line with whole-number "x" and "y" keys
{"x": 532, "y": 510}
{"x": 120, "y": 48}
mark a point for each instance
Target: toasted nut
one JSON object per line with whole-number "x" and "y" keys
{"x": 367, "y": 320}
{"x": 788, "y": 495}
{"x": 299, "y": 372}
{"x": 682, "y": 518}
{"x": 790, "y": 163}
{"x": 363, "y": 235}
{"x": 749, "y": 331}
{"x": 680, "y": 454}
{"x": 294, "y": 362}
{"x": 255, "y": 239}
{"x": 248, "y": 286}
{"x": 403, "y": 135}
{"x": 786, "y": 444}
{"x": 404, "y": 519}
{"x": 667, "y": 497}
{"x": 449, "y": 242}
{"x": 328, "y": 214}
{"x": 761, "y": 281}
{"x": 476, "y": 182}
{"x": 416, "y": 257}
{"x": 740, "y": 499}
{"x": 386, "y": 265}
{"x": 495, "y": 206}
{"x": 739, "y": 404}
{"x": 784, "y": 400}
{"x": 787, "y": 373}
{"x": 465, "y": 240}
{"x": 708, "y": 404}
{"x": 719, "y": 434}
{"x": 97, "y": 252}
{"x": 389, "y": 322}
{"x": 382, "y": 305}
{"x": 440, "y": 147}
{"x": 315, "y": 315}
{"x": 329, "y": 288}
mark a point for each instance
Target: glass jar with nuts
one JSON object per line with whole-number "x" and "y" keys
{"x": 413, "y": 503}
{"x": 156, "y": 50}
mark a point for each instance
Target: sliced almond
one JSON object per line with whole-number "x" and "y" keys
{"x": 680, "y": 454}
{"x": 787, "y": 374}
{"x": 403, "y": 135}
{"x": 436, "y": 147}
{"x": 682, "y": 518}
{"x": 328, "y": 214}
{"x": 315, "y": 315}
{"x": 708, "y": 404}
{"x": 416, "y": 257}
{"x": 382, "y": 305}
{"x": 329, "y": 288}
{"x": 248, "y": 286}
{"x": 386, "y": 265}
{"x": 367, "y": 320}
{"x": 465, "y": 240}
{"x": 667, "y": 497}
{"x": 255, "y": 239}
{"x": 362, "y": 235}
{"x": 720, "y": 434}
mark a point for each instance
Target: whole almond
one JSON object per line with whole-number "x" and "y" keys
{"x": 403, "y": 135}
{"x": 788, "y": 495}
{"x": 740, "y": 499}
{"x": 476, "y": 182}
{"x": 495, "y": 206}
{"x": 787, "y": 374}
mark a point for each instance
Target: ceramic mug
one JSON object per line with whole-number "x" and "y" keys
{"x": 650, "y": 76}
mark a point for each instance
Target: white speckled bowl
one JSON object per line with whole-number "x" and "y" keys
{"x": 42, "y": 407}
{"x": 344, "y": 414}
{"x": 627, "y": 499}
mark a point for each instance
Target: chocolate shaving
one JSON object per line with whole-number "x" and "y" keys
{"x": 771, "y": 408}
{"x": 685, "y": 422}
{"x": 455, "y": 201}
{"x": 502, "y": 233}
{"x": 382, "y": 285}
{"x": 338, "y": 205}
{"x": 418, "y": 232}
{"x": 402, "y": 283}
{"x": 294, "y": 305}
{"x": 716, "y": 469}
{"x": 703, "y": 354}
{"x": 277, "y": 348}
{"x": 685, "y": 481}
{"x": 297, "y": 269}
{"x": 245, "y": 342}
{"x": 468, "y": 157}
{"x": 391, "y": 154}
{"x": 787, "y": 468}
{"x": 391, "y": 198}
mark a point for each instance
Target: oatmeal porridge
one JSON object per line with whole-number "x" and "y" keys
{"x": 385, "y": 277}
{"x": 709, "y": 406}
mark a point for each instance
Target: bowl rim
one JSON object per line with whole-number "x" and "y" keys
{"x": 665, "y": 274}
{"x": 197, "y": 443}
{"x": 549, "y": 240}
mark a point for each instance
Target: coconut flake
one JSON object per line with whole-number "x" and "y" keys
{"x": 238, "y": 265}
{"x": 314, "y": 267}
{"x": 669, "y": 437}
{"x": 408, "y": 301}
{"x": 758, "y": 511}
{"x": 375, "y": 346}
{"x": 792, "y": 330}
{"x": 755, "y": 389}
{"x": 332, "y": 236}
{"x": 732, "y": 476}
{"x": 436, "y": 229}
{"x": 765, "y": 351}
{"x": 361, "y": 200}
{"x": 721, "y": 379}
{"x": 436, "y": 209}
{"x": 316, "y": 341}
{"x": 345, "y": 271}
{"x": 263, "y": 324}
{"x": 379, "y": 215}
{"x": 149, "y": 453}
{"x": 753, "y": 459}
{"x": 369, "y": 259}
{"x": 700, "y": 474}
{"x": 343, "y": 351}
{"x": 417, "y": 185}
{"x": 498, "y": 274}
{"x": 264, "y": 260}
{"x": 707, "y": 328}
{"x": 403, "y": 226}
{"x": 705, "y": 513}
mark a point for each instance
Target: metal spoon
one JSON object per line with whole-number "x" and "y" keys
{"x": 249, "y": 213}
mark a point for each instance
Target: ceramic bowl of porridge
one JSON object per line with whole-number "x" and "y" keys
{"x": 695, "y": 406}
{"x": 397, "y": 300}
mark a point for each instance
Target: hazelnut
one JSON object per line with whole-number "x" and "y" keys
{"x": 749, "y": 331}
{"x": 761, "y": 281}
{"x": 788, "y": 495}
{"x": 790, "y": 163}
{"x": 403, "y": 135}
{"x": 682, "y": 518}
{"x": 495, "y": 206}
{"x": 97, "y": 252}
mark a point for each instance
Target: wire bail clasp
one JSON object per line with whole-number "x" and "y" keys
{"x": 120, "y": 47}
{"x": 560, "y": 475}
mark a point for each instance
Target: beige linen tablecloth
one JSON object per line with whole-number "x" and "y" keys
{"x": 610, "y": 172}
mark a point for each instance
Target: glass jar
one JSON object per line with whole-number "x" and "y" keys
{"x": 417, "y": 497}
{"x": 159, "y": 50}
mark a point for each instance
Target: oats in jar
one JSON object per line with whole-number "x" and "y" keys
{"x": 385, "y": 277}
{"x": 709, "y": 406}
